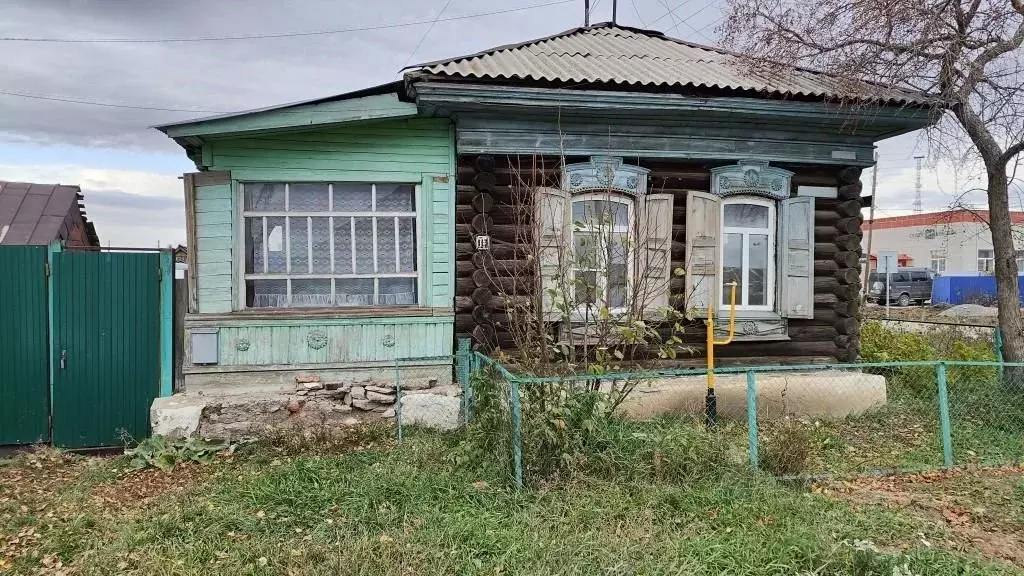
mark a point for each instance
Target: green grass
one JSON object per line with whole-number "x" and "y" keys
{"x": 411, "y": 510}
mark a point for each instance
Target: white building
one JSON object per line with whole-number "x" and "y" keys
{"x": 952, "y": 242}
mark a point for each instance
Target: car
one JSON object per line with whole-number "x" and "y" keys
{"x": 906, "y": 286}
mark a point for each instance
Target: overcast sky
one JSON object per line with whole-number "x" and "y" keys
{"x": 129, "y": 172}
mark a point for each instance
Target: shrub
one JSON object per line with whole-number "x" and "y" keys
{"x": 786, "y": 449}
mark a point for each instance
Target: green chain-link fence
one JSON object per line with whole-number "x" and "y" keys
{"x": 791, "y": 421}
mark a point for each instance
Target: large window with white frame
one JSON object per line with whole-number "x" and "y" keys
{"x": 329, "y": 244}
{"x": 748, "y": 252}
{"x": 600, "y": 238}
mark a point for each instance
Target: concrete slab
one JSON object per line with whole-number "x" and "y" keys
{"x": 829, "y": 394}
{"x": 432, "y": 411}
{"x": 176, "y": 416}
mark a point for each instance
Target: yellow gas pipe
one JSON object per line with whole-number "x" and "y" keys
{"x": 710, "y": 401}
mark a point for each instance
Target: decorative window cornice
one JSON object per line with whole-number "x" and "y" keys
{"x": 751, "y": 177}
{"x": 605, "y": 173}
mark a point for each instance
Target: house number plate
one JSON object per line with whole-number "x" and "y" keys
{"x": 483, "y": 243}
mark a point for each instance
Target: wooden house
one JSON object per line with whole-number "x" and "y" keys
{"x": 342, "y": 233}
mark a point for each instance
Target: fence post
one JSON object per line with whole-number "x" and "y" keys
{"x": 998, "y": 341}
{"x": 398, "y": 400}
{"x": 517, "y": 446}
{"x": 464, "y": 359}
{"x": 947, "y": 435}
{"x": 752, "y": 418}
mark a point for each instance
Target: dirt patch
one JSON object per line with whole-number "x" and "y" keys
{"x": 136, "y": 489}
{"x": 981, "y": 508}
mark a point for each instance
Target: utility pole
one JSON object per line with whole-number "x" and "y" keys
{"x": 871, "y": 223}
{"x": 586, "y": 13}
{"x": 917, "y": 190}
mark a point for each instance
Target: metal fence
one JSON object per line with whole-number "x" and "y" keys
{"x": 790, "y": 421}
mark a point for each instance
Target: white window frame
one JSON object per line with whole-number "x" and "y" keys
{"x": 773, "y": 240}
{"x": 580, "y": 313}
{"x": 330, "y": 213}
{"x": 938, "y": 256}
{"x": 987, "y": 264}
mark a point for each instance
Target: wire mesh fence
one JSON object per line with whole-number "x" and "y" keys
{"x": 426, "y": 394}
{"x": 789, "y": 421}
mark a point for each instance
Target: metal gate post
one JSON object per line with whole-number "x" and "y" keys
{"x": 166, "y": 322}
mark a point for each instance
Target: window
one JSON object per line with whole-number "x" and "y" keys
{"x": 600, "y": 240}
{"x": 919, "y": 277}
{"x": 986, "y": 261}
{"x": 938, "y": 261}
{"x": 1020, "y": 260}
{"x": 329, "y": 244}
{"x": 748, "y": 252}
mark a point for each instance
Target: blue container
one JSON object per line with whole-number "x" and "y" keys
{"x": 955, "y": 290}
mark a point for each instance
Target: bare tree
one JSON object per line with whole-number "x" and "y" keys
{"x": 965, "y": 52}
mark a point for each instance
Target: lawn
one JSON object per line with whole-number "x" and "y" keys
{"x": 357, "y": 504}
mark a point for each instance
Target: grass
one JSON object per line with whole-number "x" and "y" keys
{"x": 413, "y": 510}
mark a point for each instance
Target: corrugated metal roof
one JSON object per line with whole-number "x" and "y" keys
{"x": 36, "y": 213}
{"x": 606, "y": 53}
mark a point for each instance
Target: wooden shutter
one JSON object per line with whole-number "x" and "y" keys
{"x": 702, "y": 251}
{"x": 552, "y": 223}
{"x": 655, "y": 211}
{"x": 796, "y": 288}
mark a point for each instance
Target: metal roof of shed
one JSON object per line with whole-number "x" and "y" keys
{"x": 35, "y": 213}
{"x": 608, "y": 53}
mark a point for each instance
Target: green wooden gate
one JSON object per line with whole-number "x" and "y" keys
{"x": 106, "y": 351}
{"x": 24, "y": 377}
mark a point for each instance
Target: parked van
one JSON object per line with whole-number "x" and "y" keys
{"x": 906, "y": 286}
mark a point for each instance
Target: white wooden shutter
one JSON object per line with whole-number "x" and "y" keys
{"x": 703, "y": 234}
{"x": 551, "y": 221}
{"x": 796, "y": 290}
{"x": 655, "y": 211}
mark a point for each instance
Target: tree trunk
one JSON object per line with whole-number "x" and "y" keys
{"x": 1006, "y": 263}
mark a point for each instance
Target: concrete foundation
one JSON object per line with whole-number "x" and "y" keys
{"x": 829, "y": 394}
{"x": 246, "y": 404}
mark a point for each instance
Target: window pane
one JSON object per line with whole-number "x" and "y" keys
{"x": 732, "y": 268}
{"x": 385, "y": 245}
{"x": 618, "y": 249}
{"x": 407, "y": 244}
{"x": 617, "y": 286}
{"x": 312, "y": 292}
{"x": 322, "y": 245}
{"x": 254, "y": 245}
{"x": 395, "y": 198}
{"x": 758, "y": 257}
{"x": 364, "y": 246}
{"x": 600, "y": 212}
{"x": 586, "y": 250}
{"x": 352, "y": 198}
{"x": 342, "y": 245}
{"x": 266, "y": 293}
{"x": 746, "y": 216}
{"x": 264, "y": 196}
{"x": 397, "y": 291}
{"x": 275, "y": 244}
{"x": 308, "y": 198}
{"x": 354, "y": 291}
{"x": 586, "y": 287}
{"x": 298, "y": 232}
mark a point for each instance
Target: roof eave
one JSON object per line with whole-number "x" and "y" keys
{"x": 390, "y": 102}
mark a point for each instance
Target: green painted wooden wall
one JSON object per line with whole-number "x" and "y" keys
{"x": 416, "y": 150}
{"x": 346, "y": 341}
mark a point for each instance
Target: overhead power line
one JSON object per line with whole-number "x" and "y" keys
{"x": 425, "y": 34}
{"x": 104, "y": 104}
{"x": 273, "y": 35}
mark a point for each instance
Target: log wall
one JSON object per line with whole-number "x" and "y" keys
{"x": 485, "y": 204}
